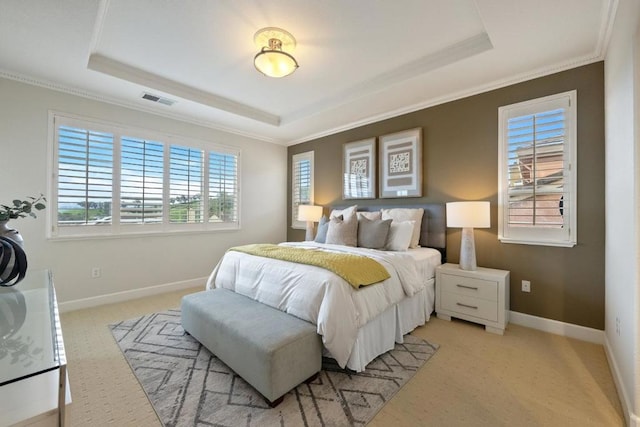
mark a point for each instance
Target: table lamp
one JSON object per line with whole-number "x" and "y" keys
{"x": 310, "y": 214}
{"x": 468, "y": 215}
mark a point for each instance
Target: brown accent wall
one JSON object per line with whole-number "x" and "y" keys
{"x": 460, "y": 162}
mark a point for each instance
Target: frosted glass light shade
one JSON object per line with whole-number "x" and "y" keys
{"x": 274, "y": 58}
{"x": 274, "y": 63}
{"x": 468, "y": 214}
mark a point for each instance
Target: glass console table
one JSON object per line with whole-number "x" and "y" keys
{"x": 30, "y": 334}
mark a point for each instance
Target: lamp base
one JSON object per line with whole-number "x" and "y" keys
{"x": 468, "y": 250}
{"x": 309, "y": 236}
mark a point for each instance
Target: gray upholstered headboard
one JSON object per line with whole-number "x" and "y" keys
{"x": 434, "y": 226}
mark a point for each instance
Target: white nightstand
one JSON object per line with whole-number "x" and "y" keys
{"x": 480, "y": 296}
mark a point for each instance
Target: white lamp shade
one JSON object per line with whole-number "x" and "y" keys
{"x": 468, "y": 214}
{"x": 309, "y": 213}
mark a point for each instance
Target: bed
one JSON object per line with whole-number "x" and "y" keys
{"x": 356, "y": 324}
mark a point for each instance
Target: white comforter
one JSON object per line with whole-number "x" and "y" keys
{"x": 320, "y": 296}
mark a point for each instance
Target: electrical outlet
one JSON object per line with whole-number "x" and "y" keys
{"x": 96, "y": 272}
{"x": 618, "y": 326}
{"x": 526, "y": 286}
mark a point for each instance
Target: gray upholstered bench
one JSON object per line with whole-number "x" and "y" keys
{"x": 272, "y": 350}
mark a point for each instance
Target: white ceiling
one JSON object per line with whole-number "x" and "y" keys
{"x": 360, "y": 60}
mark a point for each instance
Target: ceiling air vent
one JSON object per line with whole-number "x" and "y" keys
{"x": 158, "y": 99}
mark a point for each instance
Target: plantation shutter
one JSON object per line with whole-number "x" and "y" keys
{"x": 84, "y": 174}
{"x": 185, "y": 185}
{"x": 191, "y": 185}
{"x": 302, "y": 185}
{"x": 223, "y": 187}
{"x": 538, "y": 171}
{"x": 141, "y": 181}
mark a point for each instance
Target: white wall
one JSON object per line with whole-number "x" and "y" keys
{"x": 622, "y": 327}
{"x": 132, "y": 263}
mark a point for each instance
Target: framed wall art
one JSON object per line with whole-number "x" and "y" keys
{"x": 359, "y": 169}
{"x": 401, "y": 164}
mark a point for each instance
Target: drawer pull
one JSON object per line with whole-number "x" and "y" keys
{"x": 467, "y": 287}
{"x": 468, "y": 306}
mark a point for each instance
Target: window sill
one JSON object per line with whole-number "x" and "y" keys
{"x": 537, "y": 243}
{"x": 139, "y": 234}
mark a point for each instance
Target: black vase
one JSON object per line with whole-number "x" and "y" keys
{"x": 13, "y": 262}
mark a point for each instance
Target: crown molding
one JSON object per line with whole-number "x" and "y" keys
{"x": 446, "y": 56}
{"x": 121, "y": 70}
{"x": 609, "y": 10}
{"x": 132, "y": 74}
{"x": 21, "y": 78}
{"x": 606, "y": 25}
{"x": 497, "y": 84}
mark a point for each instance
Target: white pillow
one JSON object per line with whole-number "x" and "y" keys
{"x": 371, "y": 216}
{"x": 346, "y": 212}
{"x": 407, "y": 214}
{"x": 399, "y": 236}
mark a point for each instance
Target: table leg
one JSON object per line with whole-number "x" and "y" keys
{"x": 62, "y": 395}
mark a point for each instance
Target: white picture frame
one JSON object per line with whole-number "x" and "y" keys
{"x": 400, "y": 158}
{"x": 359, "y": 169}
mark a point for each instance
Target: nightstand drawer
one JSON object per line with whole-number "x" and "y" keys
{"x": 480, "y": 308}
{"x": 468, "y": 286}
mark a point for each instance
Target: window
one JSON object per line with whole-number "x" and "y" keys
{"x": 301, "y": 185}
{"x": 537, "y": 168}
{"x": 110, "y": 181}
{"x": 185, "y": 185}
{"x": 223, "y": 187}
{"x": 85, "y": 175}
{"x": 141, "y": 181}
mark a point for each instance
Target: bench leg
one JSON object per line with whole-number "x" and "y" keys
{"x": 281, "y": 398}
{"x": 275, "y": 402}
{"x": 312, "y": 378}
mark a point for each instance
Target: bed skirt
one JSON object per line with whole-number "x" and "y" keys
{"x": 380, "y": 334}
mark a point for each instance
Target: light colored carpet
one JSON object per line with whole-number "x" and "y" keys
{"x": 524, "y": 378}
{"x": 189, "y": 386}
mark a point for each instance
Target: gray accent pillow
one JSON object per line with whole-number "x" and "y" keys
{"x": 373, "y": 234}
{"x": 323, "y": 227}
{"x": 370, "y": 215}
{"x": 343, "y": 232}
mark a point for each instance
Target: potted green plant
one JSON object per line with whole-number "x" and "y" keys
{"x": 22, "y": 208}
{"x": 19, "y": 209}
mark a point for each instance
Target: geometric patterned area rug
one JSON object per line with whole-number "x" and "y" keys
{"x": 188, "y": 386}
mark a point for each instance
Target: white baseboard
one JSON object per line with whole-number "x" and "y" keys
{"x": 632, "y": 420}
{"x": 555, "y": 327}
{"x": 129, "y": 295}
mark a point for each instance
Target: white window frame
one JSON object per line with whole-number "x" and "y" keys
{"x": 566, "y": 236}
{"x": 116, "y": 228}
{"x": 295, "y": 159}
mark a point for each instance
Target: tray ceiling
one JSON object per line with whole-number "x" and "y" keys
{"x": 360, "y": 61}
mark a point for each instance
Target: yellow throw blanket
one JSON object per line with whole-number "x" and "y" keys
{"x": 355, "y": 269}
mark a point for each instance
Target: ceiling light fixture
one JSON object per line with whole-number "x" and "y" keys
{"x": 274, "y": 58}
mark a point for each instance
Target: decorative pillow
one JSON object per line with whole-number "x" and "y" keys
{"x": 373, "y": 234}
{"x": 370, "y": 215}
{"x": 346, "y": 213}
{"x": 342, "y": 232}
{"x": 400, "y": 234}
{"x": 323, "y": 226}
{"x": 407, "y": 214}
